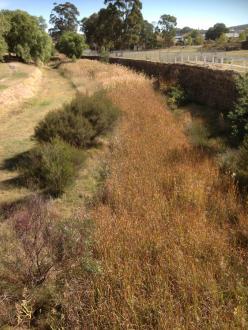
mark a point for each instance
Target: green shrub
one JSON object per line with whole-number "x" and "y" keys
{"x": 176, "y": 97}
{"x": 104, "y": 55}
{"x": 3, "y": 47}
{"x": 235, "y": 162}
{"x": 242, "y": 163}
{"x": 239, "y": 116}
{"x": 52, "y": 166}
{"x": 71, "y": 44}
{"x": 4, "y": 28}
{"x": 199, "y": 135}
{"x": 72, "y": 128}
{"x": 80, "y": 122}
{"x": 98, "y": 110}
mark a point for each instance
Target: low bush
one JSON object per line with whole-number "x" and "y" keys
{"x": 198, "y": 134}
{"x": 72, "y": 128}
{"x": 104, "y": 55}
{"x": 97, "y": 109}
{"x": 52, "y": 166}
{"x": 235, "y": 162}
{"x": 71, "y": 44}
{"x": 40, "y": 256}
{"x": 176, "y": 96}
{"x": 239, "y": 115}
{"x": 242, "y": 164}
{"x": 80, "y": 122}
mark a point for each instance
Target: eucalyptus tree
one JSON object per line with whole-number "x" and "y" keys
{"x": 64, "y": 18}
{"x": 167, "y": 27}
{"x": 131, "y": 20}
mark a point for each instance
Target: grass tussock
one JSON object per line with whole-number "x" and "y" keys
{"x": 171, "y": 234}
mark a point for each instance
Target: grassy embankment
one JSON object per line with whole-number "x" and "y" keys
{"x": 33, "y": 93}
{"x": 170, "y": 230}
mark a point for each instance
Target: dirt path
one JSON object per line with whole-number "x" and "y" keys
{"x": 17, "y": 128}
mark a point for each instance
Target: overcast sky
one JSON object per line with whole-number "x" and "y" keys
{"x": 193, "y": 13}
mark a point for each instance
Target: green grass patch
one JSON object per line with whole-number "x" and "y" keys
{"x": 45, "y": 103}
{"x": 3, "y": 87}
{"x": 19, "y": 75}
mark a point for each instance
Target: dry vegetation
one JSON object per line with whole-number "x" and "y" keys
{"x": 171, "y": 233}
{"x": 170, "y": 239}
{"x": 89, "y": 76}
{"x": 18, "y": 82}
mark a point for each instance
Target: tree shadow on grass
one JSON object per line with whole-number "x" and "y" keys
{"x": 13, "y": 164}
{"x": 7, "y": 209}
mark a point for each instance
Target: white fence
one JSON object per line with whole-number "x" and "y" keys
{"x": 220, "y": 60}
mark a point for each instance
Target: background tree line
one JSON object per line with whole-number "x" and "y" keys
{"x": 119, "y": 25}
{"x": 26, "y": 36}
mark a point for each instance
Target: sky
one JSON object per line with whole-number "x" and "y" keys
{"x": 198, "y": 14}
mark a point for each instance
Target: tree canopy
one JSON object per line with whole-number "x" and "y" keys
{"x": 64, "y": 18}
{"x": 119, "y": 25}
{"x": 216, "y": 31}
{"x": 167, "y": 27}
{"x": 4, "y": 28}
{"x": 24, "y": 36}
{"x": 103, "y": 29}
{"x": 71, "y": 44}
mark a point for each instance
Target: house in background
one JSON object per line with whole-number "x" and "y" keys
{"x": 234, "y": 31}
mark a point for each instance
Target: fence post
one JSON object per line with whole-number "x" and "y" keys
{"x": 196, "y": 59}
{"x": 175, "y": 60}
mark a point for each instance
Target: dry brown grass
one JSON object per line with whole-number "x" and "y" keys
{"x": 20, "y": 81}
{"x": 171, "y": 234}
{"x": 89, "y": 76}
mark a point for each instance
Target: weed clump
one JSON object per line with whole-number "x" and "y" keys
{"x": 40, "y": 254}
{"x": 176, "y": 96}
{"x": 80, "y": 122}
{"x": 199, "y": 135}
